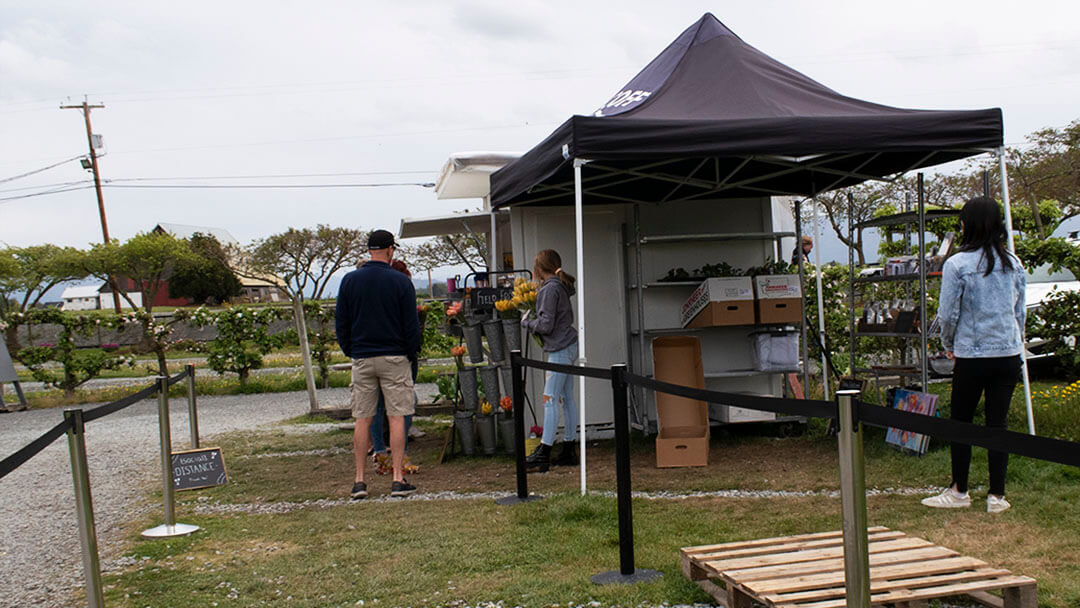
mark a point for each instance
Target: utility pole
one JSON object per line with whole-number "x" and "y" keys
{"x": 85, "y": 107}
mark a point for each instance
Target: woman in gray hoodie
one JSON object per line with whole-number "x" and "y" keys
{"x": 554, "y": 323}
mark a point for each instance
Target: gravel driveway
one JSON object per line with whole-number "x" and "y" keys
{"x": 39, "y": 546}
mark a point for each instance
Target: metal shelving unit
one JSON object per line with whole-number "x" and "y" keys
{"x": 634, "y": 241}
{"x": 919, "y": 218}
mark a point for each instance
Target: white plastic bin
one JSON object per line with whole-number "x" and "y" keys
{"x": 776, "y": 350}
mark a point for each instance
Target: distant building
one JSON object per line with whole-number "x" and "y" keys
{"x": 81, "y": 297}
{"x": 161, "y": 298}
{"x": 262, "y": 289}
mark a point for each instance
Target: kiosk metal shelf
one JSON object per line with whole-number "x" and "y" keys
{"x": 634, "y": 242}
{"x": 918, "y": 217}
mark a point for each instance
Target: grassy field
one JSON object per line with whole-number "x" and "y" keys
{"x": 467, "y": 551}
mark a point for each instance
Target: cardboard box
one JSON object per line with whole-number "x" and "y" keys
{"x": 778, "y": 298}
{"x": 683, "y": 438}
{"x": 720, "y": 301}
{"x": 731, "y": 413}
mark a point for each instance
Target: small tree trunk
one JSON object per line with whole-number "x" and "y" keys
{"x": 305, "y": 351}
{"x": 244, "y": 373}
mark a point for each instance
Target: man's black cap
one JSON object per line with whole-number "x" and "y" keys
{"x": 380, "y": 239}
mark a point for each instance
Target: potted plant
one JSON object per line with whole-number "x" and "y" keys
{"x": 506, "y": 424}
{"x": 485, "y": 427}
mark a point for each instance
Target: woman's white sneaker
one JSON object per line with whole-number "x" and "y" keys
{"x": 948, "y": 499}
{"x": 996, "y": 504}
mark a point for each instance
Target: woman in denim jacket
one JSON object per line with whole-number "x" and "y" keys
{"x": 981, "y": 315}
{"x": 555, "y": 325}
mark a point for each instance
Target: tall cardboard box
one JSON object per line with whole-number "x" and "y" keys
{"x": 683, "y": 438}
{"x": 720, "y": 301}
{"x": 778, "y": 298}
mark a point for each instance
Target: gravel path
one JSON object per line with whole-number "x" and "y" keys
{"x": 39, "y": 547}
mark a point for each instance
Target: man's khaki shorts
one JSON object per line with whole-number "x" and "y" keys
{"x": 391, "y": 375}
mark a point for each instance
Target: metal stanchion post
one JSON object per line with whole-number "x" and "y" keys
{"x": 170, "y": 527}
{"x": 626, "y": 573}
{"x": 518, "y": 385}
{"x": 853, "y": 502}
{"x": 84, "y": 508}
{"x": 193, "y": 414}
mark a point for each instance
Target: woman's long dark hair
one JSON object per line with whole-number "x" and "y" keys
{"x": 984, "y": 229}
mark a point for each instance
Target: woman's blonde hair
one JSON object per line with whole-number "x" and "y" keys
{"x": 549, "y": 262}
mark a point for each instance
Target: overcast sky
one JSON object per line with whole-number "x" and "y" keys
{"x": 383, "y": 92}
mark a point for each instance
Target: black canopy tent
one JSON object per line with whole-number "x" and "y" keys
{"x": 712, "y": 117}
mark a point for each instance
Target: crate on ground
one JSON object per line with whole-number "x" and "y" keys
{"x": 808, "y": 571}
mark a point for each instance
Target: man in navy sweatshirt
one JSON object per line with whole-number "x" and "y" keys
{"x": 378, "y": 328}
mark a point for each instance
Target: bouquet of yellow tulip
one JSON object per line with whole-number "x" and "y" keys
{"x": 524, "y": 300}
{"x": 524, "y": 295}
{"x": 507, "y": 309}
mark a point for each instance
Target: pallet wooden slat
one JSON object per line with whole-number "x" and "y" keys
{"x": 807, "y": 571}
{"x": 821, "y": 543}
{"x": 837, "y": 564}
{"x": 885, "y": 573}
{"x": 881, "y": 586}
{"x": 815, "y": 554}
{"x": 924, "y": 594}
{"x": 772, "y": 541}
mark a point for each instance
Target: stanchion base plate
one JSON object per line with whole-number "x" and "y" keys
{"x": 615, "y": 577}
{"x": 515, "y": 500}
{"x": 165, "y": 530}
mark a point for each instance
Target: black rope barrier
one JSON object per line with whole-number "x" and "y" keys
{"x": 588, "y": 372}
{"x": 31, "y": 449}
{"x": 998, "y": 440}
{"x": 110, "y": 408}
{"x": 811, "y": 408}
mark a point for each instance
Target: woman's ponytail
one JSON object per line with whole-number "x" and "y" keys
{"x": 549, "y": 262}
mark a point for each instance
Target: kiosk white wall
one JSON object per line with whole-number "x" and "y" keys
{"x": 611, "y": 312}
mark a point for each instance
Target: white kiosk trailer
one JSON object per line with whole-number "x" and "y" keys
{"x": 465, "y": 175}
{"x": 688, "y": 158}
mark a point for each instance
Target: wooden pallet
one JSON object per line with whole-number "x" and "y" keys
{"x": 807, "y": 571}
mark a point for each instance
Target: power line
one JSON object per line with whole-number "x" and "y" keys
{"x": 39, "y": 186}
{"x": 220, "y": 186}
{"x": 269, "y": 186}
{"x": 29, "y": 173}
{"x": 56, "y": 191}
{"x": 270, "y": 176}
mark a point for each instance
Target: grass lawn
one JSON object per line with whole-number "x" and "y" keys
{"x": 439, "y": 552}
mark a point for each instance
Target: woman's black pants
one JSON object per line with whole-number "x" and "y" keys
{"x": 997, "y": 378}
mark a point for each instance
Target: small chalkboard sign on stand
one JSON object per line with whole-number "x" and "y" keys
{"x": 202, "y": 468}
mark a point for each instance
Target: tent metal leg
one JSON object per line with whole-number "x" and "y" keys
{"x": 582, "y": 360}
{"x": 820, "y": 301}
{"x": 1012, "y": 248}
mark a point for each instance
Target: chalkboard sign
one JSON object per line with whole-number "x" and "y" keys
{"x": 194, "y": 469}
{"x": 7, "y": 370}
{"x": 482, "y": 299}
